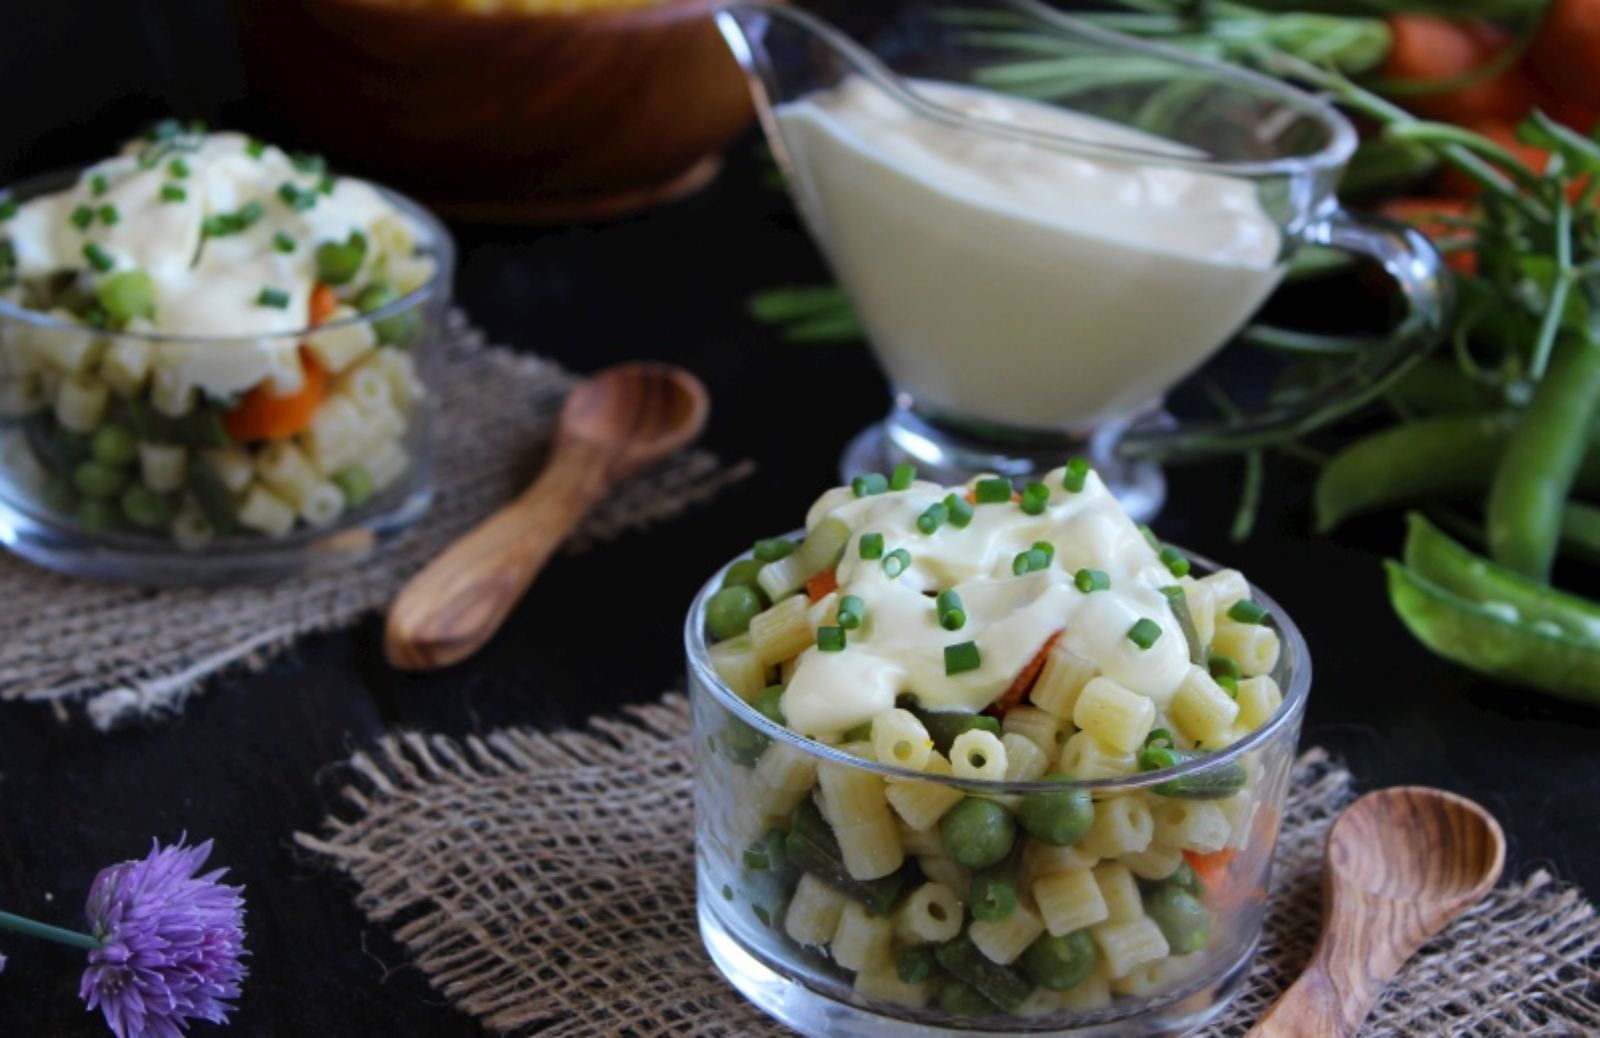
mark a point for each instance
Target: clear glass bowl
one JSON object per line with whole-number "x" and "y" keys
{"x": 751, "y": 774}
{"x": 205, "y": 509}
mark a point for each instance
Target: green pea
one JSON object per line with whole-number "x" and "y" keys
{"x": 1060, "y": 963}
{"x": 338, "y": 262}
{"x": 1059, "y": 819}
{"x": 1184, "y": 921}
{"x": 743, "y": 574}
{"x": 1186, "y": 879}
{"x": 767, "y": 703}
{"x": 742, "y": 744}
{"x": 993, "y": 897}
{"x": 144, "y": 507}
{"x": 96, "y": 516}
{"x": 114, "y": 445}
{"x": 915, "y": 965}
{"x": 960, "y": 999}
{"x": 729, "y": 611}
{"x": 977, "y": 833}
{"x": 397, "y": 330}
{"x": 98, "y": 481}
{"x": 771, "y": 549}
{"x": 355, "y": 483}
{"x": 127, "y": 294}
{"x": 68, "y": 446}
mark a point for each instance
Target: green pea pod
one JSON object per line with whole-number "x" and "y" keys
{"x": 1487, "y": 640}
{"x": 1580, "y": 532}
{"x": 1217, "y": 783}
{"x": 1005, "y": 987}
{"x": 811, "y": 847}
{"x": 1436, "y": 558}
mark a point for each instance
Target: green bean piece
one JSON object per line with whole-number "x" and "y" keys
{"x": 728, "y": 612}
{"x": 916, "y": 964}
{"x": 355, "y": 483}
{"x": 1184, "y": 921}
{"x": 146, "y": 508}
{"x": 993, "y": 891}
{"x": 1541, "y": 461}
{"x": 944, "y": 725}
{"x": 201, "y": 427}
{"x": 1478, "y": 636}
{"x": 98, "y": 481}
{"x": 338, "y": 262}
{"x": 127, "y": 294}
{"x": 743, "y": 574}
{"x": 1216, "y": 783}
{"x": 811, "y": 846}
{"x": 961, "y": 999}
{"x": 768, "y": 703}
{"x": 1059, "y": 819}
{"x": 212, "y": 495}
{"x": 1005, "y": 987}
{"x": 1060, "y": 963}
{"x": 1435, "y": 557}
{"x": 977, "y": 833}
{"x": 114, "y": 445}
{"x": 1179, "y": 603}
{"x": 96, "y": 515}
{"x": 397, "y": 329}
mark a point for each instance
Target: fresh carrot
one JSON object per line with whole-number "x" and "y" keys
{"x": 263, "y": 415}
{"x": 1025, "y": 678}
{"x": 1427, "y": 49}
{"x": 323, "y": 304}
{"x": 822, "y": 583}
{"x": 1212, "y": 868}
{"x": 1425, "y": 215}
{"x": 1565, "y": 53}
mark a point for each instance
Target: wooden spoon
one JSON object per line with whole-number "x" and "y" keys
{"x": 613, "y": 425}
{"x": 1401, "y": 864}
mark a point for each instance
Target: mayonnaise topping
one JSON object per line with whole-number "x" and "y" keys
{"x": 899, "y": 648}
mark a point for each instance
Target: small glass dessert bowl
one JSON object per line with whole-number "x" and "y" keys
{"x": 1073, "y": 858}
{"x": 216, "y": 363}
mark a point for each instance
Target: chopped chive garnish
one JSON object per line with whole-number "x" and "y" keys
{"x": 960, "y": 511}
{"x": 276, "y": 298}
{"x": 283, "y": 242}
{"x": 952, "y": 614}
{"x": 98, "y": 258}
{"x": 771, "y": 549}
{"x": 869, "y": 484}
{"x": 1088, "y": 580}
{"x": 248, "y": 214}
{"x": 1031, "y": 561}
{"x": 1229, "y": 684}
{"x": 82, "y": 217}
{"x": 1048, "y": 549}
{"x": 902, "y": 476}
{"x": 255, "y": 148}
{"x": 933, "y": 517}
{"x": 992, "y": 491}
{"x": 8, "y": 208}
{"x": 325, "y": 184}
{"x": 872, "y": 546}
{"x": 1173, "y": 592}
{"x": 295, "y": 198}
{"x": 178, "y": 168}
{"x": 99, "y": 185}
{"x": 219, "y": 224}
{"x": 958, "y": 659}
{"x": 1175, "y": 561}
{"x": 851, "y": 612}
{"x": 1222, "y": 666}
{"x": 173, "y": 193}
{"x": 896, "y": 562}
{"x": 1150, "y": 537}
{"x": 830, "y": 639}
{"x": 1247, "y": 612}
{"x": 109, "y": 215}
{"x": 1077, "y": 472}
{"x": 1144, "y": 633}
{"x": 165, "y": 130}
{"x": 306, "y": 162}
{"x": 1034, "y": 497}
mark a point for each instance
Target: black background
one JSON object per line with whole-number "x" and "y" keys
{"x": 248, "y": 763}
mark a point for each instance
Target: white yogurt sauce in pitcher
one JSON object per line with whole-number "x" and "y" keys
{"x": 1006, "y": 281}
{"x": 900, "y": 644}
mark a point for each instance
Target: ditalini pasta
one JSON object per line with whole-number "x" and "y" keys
{"x": 946, "y": 668}
{"x": 200, "y": 345}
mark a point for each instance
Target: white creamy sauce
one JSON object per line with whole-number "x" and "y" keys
{"x": 205, "y": 286}
{"x": 1017, "y": 283}
{"x": 900, "y": 645}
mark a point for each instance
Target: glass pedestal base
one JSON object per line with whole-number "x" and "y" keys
{"x": 948, "y": 456}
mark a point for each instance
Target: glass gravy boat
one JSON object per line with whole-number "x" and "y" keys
{"x": 1043, "y": 226}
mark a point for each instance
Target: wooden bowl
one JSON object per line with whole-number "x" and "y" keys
{"x": 531, "y": 117}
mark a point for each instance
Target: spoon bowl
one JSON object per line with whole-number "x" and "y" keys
{"x": 1401, "y": 864}
{"x": 613, "y": 425}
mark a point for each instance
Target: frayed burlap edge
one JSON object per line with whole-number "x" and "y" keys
{"x": 545, "y": 885}
{"x": 125, "y": 652}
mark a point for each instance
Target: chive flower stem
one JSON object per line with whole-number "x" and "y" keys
{"x": 44, "y": 931}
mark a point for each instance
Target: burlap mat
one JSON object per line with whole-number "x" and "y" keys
{"x": 545, "y": 885}
{"x": 126, "y": 651}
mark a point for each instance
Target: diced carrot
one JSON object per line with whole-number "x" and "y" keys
{"x": 1424, "y": 214}
{"x": 1211, "y": 868}
{"x": 1565, "y": 53}
{"x": 323, "y": 304}
{"x": 1023, "y": 682}
{"x": 1429, "y": 49}
{"x": 822, "y": 584}
{"x": 263, "y": 415}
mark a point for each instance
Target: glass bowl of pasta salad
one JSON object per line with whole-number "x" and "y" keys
{"x": 987, "y": 762}
{"x": 215, "y": 362}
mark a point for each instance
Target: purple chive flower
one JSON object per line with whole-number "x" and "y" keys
{"x": 171, "y": 941}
